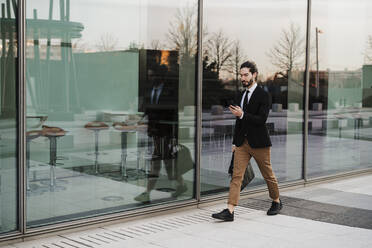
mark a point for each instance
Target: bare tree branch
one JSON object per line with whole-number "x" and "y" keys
{"x": 218, "y": 47}
{"x": 156, "y": 45}
{"x": 287, "y": 54}
{"x": 80, "y": 45}
{"x": 236, "y": 59}
{"x": 182, "y": 34}
{"x": 107, "y": 42}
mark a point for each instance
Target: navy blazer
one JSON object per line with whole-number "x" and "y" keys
{"x": 253, "y": 125}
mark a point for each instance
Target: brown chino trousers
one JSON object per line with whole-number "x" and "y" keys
{"x": 242, "y": 156}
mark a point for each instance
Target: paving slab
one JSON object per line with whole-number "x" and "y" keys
{"x": 304, "y": 222}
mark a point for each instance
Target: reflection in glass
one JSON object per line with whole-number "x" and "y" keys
{"x": 272, "y": 35}
{"x": 340, "y": 87}
{"x": 8, "y": 116}
{"x": 110, "y": 112}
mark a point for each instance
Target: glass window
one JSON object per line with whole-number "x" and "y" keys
{"x": 271, "y": 34}
{"x": 8, "y": 116}
{"x": 340, "y": 87}
{"x": 110, "y": 104}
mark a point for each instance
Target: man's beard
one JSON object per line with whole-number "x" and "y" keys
{"x": 250, "y": 82}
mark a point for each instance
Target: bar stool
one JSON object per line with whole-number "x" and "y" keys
{"x": 52, "y": 133}
{"x": 96, "y": 126}
{"x": 123, "y": 128}
{"x": 30, "y": 135}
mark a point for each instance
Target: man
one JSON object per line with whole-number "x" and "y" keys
{"x": 161, "y": 109}
{"x": 251, "y": 139}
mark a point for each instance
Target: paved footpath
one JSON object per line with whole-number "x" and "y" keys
{"x": 336, "y": 214}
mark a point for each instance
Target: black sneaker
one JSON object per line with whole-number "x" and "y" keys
{"x": 224, "y": 215}
{"x": 275, "y": 208}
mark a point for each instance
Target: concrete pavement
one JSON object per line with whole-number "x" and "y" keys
{"x": 333, "y": 214}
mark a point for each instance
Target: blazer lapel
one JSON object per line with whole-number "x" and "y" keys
{"x": 253, "y": 97}
{"x": 238, "y": 97}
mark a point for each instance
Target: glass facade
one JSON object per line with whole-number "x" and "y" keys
{"x": 111, "y": 90}
{"x": 340, "y": 87}
{"x": 8, "y": 117}
{"x": 272, "y": 35}
{"x": 111, "y": 107}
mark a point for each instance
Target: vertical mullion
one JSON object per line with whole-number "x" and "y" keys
{"x": 199, "y": 101}
{"x": 306, "y": 93}
{"x": 21, "y": 21}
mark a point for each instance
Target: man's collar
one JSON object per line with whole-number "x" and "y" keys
{"x": 252, "y": 88}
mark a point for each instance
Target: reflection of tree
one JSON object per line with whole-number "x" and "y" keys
{"x": 183, "y": 37}
{"x": 182, "y": 33}
{"x": 288, "y": 53}
{"x": 156, "y": 45}
{"x": 213, "y": 88}
{"x": 79, "y": 46}
{"x": 107, "y": 42}
{"x": 135, "y": 46}
{"x": 237, "y": 58}
{"x": 368, "y": 53}
{"x": 218, "y": 48}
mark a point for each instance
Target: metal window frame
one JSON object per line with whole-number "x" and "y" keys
{"x": 306, "y": 94}
{"x": 199, "y": 102}
{"x": 21, "y": 117}
{"x": 24, "y": 232}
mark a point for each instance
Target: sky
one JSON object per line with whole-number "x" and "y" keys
{"x": 258, "y": 25}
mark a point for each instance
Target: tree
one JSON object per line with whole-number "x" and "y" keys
{"x": 218, "y": 48}
{"x": 236, "y": 59}
{"x": 183, "y": 37}
{"x": 156, "y": 45}
{"x": 135, "y": 46}
{"x": 107, "y": 42}
{"x": 368, "y": 52}
{"x": 182, "y": 34}
{"x": 80, "y": 46}
{"x": 287, "y": 54}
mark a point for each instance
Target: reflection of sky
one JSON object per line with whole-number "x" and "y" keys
{"x": 127, "y": 21}
{"x": 257, "y": 24}
{"x": 346, "y": 26}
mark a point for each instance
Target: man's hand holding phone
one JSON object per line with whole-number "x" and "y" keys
{"x": 236, "y": 110}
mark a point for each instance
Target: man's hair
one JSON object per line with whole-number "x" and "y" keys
{"x": 250, "y": 65}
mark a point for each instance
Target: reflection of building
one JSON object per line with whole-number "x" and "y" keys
{"x": 154, "y": 59}
{"x": 367, "y": 85}
{"x": 344, "y": 79}
{"x": 286, "y": 88}
{"x": 337, "y": 88}
{"x": 48, "y": 46}
{"x": 54, "y": 52}
{"x": 57, "y": 84}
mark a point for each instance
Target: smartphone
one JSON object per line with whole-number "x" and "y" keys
{"x": 235, "y": 105}
{"x": 230, "y": 102}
